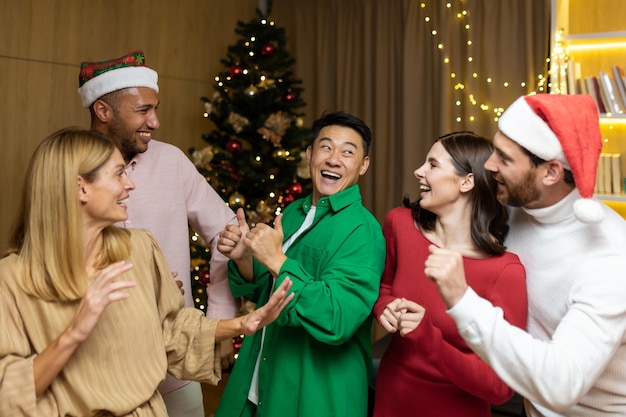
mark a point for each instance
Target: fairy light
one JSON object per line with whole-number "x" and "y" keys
{"x": 558, "y": 67}
{"x": 459, "y": 8}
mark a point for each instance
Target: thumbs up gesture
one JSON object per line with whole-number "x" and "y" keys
{"x": 266, "y": 244}
{"x": 230, "y": 241}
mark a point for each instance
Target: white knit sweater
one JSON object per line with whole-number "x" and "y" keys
{"x": 572, "y": 361}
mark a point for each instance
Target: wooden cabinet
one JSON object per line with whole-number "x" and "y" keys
{"x": 592, "y": 34}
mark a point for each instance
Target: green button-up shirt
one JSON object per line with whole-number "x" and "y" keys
{"x": 316, "y": 357}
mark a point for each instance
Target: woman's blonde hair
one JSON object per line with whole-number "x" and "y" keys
{"x": 47, "y": 235}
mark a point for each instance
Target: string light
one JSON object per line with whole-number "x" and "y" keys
{"x": 462, "y": 14}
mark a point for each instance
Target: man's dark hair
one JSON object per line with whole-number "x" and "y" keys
{"x": 568, "y": 177}
{"x": 340, "y": 118}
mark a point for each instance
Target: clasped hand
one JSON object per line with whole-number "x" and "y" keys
{"x": 402, "y": 315}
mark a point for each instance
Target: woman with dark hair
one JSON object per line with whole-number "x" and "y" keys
{"x": 428, "y": 370}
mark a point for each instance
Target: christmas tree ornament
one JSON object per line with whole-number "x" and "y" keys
{"x": 202, "y": 156}
{"x": 289, "y": 96}
{"x": 275, "y": 127}
{"x": 204, "y": 277}
{"x": 235, "y": 70}
{"x": 302, "y": 171}
{"x": 233, "y": 146}
{"x": 236, "y": 200}
{"x": 208, "y": 108}
{"x": 279, "y": 153}
{"x": 295, "y": 189}
{"x": 267, "y": 49}
{"x": 237, "y": 121}
{"x": 288, "y": 198}
{"x": 266, "y": 83}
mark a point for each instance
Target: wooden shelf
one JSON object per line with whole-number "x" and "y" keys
{"x": 611, "y": 197}
{"x": 592, "y": 35}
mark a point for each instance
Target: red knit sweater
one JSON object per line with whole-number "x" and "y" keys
{"x": 431, "y": 372}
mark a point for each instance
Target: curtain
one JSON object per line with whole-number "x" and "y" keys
{"x": 414, "y": 70}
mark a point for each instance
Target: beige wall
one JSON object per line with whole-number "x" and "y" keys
{"x": 42, "y": 43}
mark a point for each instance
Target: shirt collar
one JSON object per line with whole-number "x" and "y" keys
{"x": 337, "y": 201}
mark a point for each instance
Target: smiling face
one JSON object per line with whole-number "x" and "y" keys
{"x": 336, "y": 159}
{"x": 514, "y": 172}
{"x": 132, "y": 119}
{"x": 104, "y": 199}
{"x": 439, "y": 180}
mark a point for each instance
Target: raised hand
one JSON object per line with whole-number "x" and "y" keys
{"x": 265, "y": 315}
{"x": 230, "y": 239}
{"x": 445, "y": 268}
{"x": 102, "y": 291}
{"x": 266, "y": 244}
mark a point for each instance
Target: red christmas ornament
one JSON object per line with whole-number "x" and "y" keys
{"x": 205, "y": 277}
{"x": 295, "y": 189}
{"x": 290, "y": 95}
{"x": 288, "y": 198}
{"x": 235, "y": 70}
{"x": 267, "y": 49}
{"x": 233, "y": 146}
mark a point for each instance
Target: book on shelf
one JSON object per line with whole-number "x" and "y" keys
{"x": 606, "y": 185}
{"x": 593, "y": 89}
{"x": 573, "y": 75}
{"x": 610, "y": 176}
{"x": 609, "y": 94}
{"x": 617, "y": 185}
{"x": 618, "y": 77}
{"x": 608, "y": 88}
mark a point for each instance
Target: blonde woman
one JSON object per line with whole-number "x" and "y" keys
{"x": 91, "y": 316}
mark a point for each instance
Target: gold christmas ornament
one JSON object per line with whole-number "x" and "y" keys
{"x": 302, "y": 170}
{"x": 275, "y": 127}
{"x": 236, "y": 200}
{"x": 202, "y": 157}
{"x": 237, "y": 121}
{"x": 252, "y": 90}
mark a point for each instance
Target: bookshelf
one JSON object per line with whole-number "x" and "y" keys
{"x": 588, "y": 36}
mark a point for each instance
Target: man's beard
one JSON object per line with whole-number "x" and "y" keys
{"x": 125, "y": 138}
{"x": 519, "y": 195}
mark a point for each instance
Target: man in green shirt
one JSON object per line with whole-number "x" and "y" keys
{"x": 315, "y": 360}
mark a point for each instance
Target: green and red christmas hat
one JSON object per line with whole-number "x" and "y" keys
{"x": 99, "y": 78}
{"x": 564, "y": 128}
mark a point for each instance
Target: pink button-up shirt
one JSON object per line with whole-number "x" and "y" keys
{"x": 171, "y": 194}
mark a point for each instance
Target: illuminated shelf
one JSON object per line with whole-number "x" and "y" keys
{"x": 596, "y": 37}
{"x": 611, "y": 197}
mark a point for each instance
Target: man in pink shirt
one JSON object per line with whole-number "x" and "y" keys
{"x": 170, "y": 193}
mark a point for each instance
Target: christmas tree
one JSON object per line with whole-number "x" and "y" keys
{"x": 255, "y": 155}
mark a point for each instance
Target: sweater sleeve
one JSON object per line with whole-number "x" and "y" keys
{"x": 208, "y": 215}
{"x": 17, "y": 380}
{"x": 554, "y": 373}
{"x": 189, "y": 336}
{"x": 386, "y": 283}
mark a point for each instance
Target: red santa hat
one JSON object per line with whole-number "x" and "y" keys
{"x": 565, "y": 128}
{"x": 99, "y": 78}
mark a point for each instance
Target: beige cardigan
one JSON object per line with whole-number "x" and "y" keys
{"x": 117, "y": 370}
